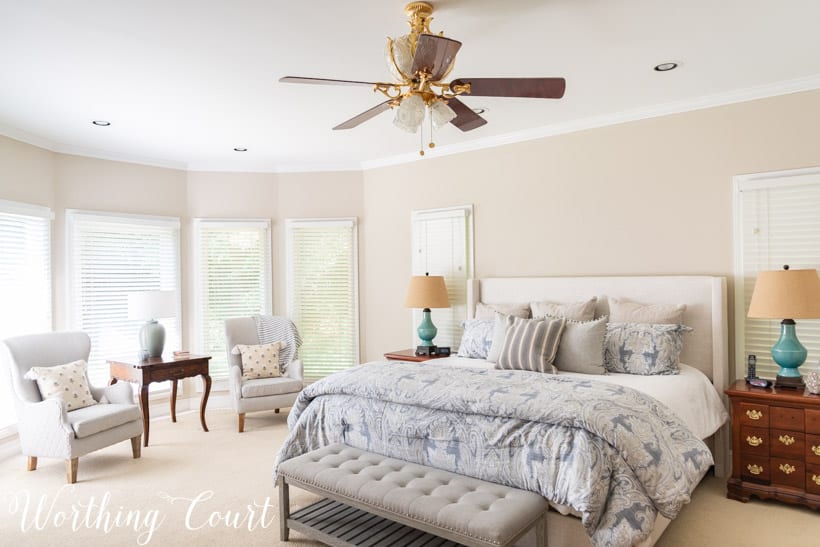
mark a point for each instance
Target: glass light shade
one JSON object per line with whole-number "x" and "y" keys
{"x": 441, "y": 113}
{"x": 410, "y": 113}
{"x": 403, "y": 56}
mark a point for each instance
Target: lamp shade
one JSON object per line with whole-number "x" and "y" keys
{"x": 427, "y": 291}
{"x": 786, "y": 294}
{"x": 151, "y": 304}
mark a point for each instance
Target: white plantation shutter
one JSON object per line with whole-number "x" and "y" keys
{"x": 110, "y": 256}
{"x": 25, "y": 280}
{"x": 323, "y": 293}
{"x": 232, "y": 279}
{"x": 442, "y": 245}
{"x": 778, "y": 223}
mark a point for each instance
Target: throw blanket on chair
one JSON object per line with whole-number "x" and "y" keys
{"x": 272, "y": 328}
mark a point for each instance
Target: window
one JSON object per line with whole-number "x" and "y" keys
{"x": 776, "y": 223}
{"x": 323, "y": 293}
{"x": 110, "y": 256}
{"x": 443, "y": 245}
{"x": 232, "y": 278}
{"x": 25, "y": 280}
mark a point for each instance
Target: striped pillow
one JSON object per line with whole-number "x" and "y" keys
{"x": 530, "y": 344}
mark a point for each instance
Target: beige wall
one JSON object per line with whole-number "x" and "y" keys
{"x": 648, "y": 197}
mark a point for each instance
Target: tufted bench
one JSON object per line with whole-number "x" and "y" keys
{"x": 372, "y": 500}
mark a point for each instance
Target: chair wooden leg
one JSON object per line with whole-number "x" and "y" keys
{"x": 71, "y": 470}
{"x": 32, "y": 463}
{"x": 276, "y": 411}
{"x": 136, "y": 446}
{"x": 242, "y": 422}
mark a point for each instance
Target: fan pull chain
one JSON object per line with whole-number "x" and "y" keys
{"x": 432, "y": 144}
{"x": 421, "y": 140}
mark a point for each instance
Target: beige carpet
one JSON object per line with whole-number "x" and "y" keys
{"x": 200, "y": 488}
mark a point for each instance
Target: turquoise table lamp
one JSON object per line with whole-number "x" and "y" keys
{"x": 427, "y": 291}
{"x": 791, "y": 294}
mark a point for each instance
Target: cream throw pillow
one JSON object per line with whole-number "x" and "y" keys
{"x": 487, "y": 311}
{"x": 577, "y": 311}
{"x": 67, "y": 383}
{"x": 624, "y": 311}
{"x": 259, "y": 361}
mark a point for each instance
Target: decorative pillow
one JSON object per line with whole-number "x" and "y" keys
{"x": 530, "y": 344}
{"x": 623, "y": 311}
{"x": 487, "y": 311}
{"x": 582, "y": 346}
{"x": 477, "y": 338}
{"x": 577, "y": 311}
{"x": 259, "y": 361}
{"x": 499, "y": 329}
{"x": 67, "y": 383}
{"x": 642, "y": 348}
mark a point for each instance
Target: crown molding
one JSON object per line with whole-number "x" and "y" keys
{"x": 787, "y": 87}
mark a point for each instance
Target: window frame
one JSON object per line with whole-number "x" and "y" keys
{"x": 198, "y": 275}
{"x": 353, "y": 223}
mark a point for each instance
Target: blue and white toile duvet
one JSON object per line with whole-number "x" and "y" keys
{"x": 613, "y": 454}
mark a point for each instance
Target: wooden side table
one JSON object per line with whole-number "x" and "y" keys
{"x": 161, "y": 369}
{"x": 410, "y": 355}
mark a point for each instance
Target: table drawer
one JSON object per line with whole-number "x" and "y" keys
{"x": 786, "y": 418}
{"x": 788, "y": 473}
{"x": 813, "y": 449}
{"x": 754, "y": 440}
{"x": 787, "y": 444}
{"x": 812, "y": 421}
{"x": 813, "y": 479}
{"x": 176, "y": 372}
{"x": 754, "y": 469}
{"x": 754, "y": 415}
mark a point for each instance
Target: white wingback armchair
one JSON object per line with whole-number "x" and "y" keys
{"x": 252, "y": 395}
{"x": 45, "y": 428}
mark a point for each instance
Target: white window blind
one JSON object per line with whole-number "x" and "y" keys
{"x": 25, "y": 281}
{"x": 778, "y": 223}
{"x": 323, "y": 293}
{"x": 110, "y": 256}
{"x": 442, "y": 245}
{"x": 232, "y": 278}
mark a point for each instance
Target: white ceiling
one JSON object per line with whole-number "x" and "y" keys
{"x": 183, "y": 82}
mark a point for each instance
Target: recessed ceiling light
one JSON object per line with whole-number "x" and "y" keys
{"x": 240, "y": 149}
{"x": 665, "y": 67}
{"x": 101, "y": 123}
{"x": 479, "y": 110}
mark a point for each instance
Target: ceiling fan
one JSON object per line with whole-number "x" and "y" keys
{"x": 420, "y": 62}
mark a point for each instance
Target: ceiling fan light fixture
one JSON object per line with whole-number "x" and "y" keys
{"x": 441, "y": 114}
{"x": 399, "y": 57}
{"x": 410, "y": 113}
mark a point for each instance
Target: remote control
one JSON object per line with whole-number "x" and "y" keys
{"x": 760, "y": 382}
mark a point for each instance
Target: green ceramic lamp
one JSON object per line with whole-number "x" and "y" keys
{"x": 427, "y": 291}
{"x": 150, "y": 306}
{"x": 794, "y": 294}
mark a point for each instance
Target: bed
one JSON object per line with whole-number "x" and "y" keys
{"x": 537, "y": 431}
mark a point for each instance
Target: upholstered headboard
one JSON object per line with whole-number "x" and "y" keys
{"x": 705, "y": 348}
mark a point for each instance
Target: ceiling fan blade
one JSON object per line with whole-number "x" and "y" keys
{"x": 364, "y": 116}
{"x": 465, "y": 119}
{"x": 434, "y": 55}
{"x": 537, "y": 88}
{"x": 321, "y": 81}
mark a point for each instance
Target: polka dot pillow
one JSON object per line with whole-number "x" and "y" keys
{"x": 260, "y": 361}
{"x": 67, "y": 383}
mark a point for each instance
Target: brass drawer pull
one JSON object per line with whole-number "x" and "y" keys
{"x": 754, "y": 414}
{"x": 816, "y": 479}
{"x": 787, "y": 469}
{"x": 786, "y": 439}
{"x": 754, "y": 441}
{"x": 816, "y": 450}
{"x": 755, "y": 469}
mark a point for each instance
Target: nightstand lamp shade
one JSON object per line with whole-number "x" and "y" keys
{"x": 427, "y": 291}
{"x": 151, "y": 305}
{"x": 788, "y": 295}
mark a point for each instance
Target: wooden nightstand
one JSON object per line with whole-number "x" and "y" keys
{"x": 410, "y": 355}
{"x": 775, "y": 445}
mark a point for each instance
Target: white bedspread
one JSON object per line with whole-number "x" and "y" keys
{"x": 690, "y": 394}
